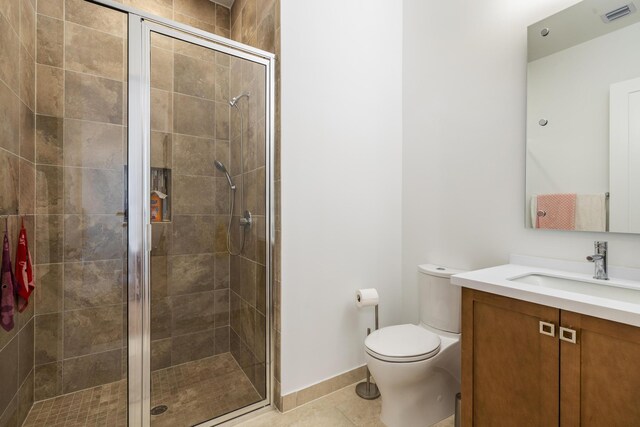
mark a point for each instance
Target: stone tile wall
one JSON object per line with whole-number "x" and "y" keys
{"x": 80, "y": 155}
{"x": 17, "y": 192}
{"x": 190, "y": 264}
{"x": 248, "y": 272}
{"x": 80, "y": 325}
{"x": 256, "y": 23}
{"x": 202, "y": 14}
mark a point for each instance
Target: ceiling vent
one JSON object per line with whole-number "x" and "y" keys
{"x": 618, "y": 13}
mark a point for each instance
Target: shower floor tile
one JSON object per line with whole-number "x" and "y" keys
{"x": 198, "y": 391}
{"x": 193, "y": 392}
{"x": 104, "y": 405}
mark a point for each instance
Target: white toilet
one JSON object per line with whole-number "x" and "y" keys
{"x": 417, "y": 368}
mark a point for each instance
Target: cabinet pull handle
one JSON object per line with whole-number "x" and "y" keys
{"x": 547, "y": 328}
{"x": 568, "y": 335}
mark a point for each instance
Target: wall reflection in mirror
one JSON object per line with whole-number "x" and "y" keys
{"x": 583, "y": 119}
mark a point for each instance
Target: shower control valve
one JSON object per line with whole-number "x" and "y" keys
{"x": 246, "y": 219}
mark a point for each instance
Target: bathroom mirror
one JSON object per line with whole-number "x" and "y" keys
{"x": 583, "y": 118}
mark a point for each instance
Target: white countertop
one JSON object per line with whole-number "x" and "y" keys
{"x": 495, "y": 280}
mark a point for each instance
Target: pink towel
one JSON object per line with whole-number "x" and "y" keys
{"x": 556, "y": 211}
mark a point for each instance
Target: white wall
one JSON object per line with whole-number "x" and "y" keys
{"x": 464, "y": 81}
{"x": 341, "y": 180}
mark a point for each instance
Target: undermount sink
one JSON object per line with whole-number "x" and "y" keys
{"x": 600, "y": 289}
{"x": 562, "y": 284}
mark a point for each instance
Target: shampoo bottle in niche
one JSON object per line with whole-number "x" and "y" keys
{"x": 157, "y": 202}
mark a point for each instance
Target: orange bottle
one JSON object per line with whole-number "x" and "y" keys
{"x": 156, "y": 207}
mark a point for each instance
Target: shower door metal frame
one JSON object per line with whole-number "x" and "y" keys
{"x": 139, "y": 242}
{"x": 147, "y": 28}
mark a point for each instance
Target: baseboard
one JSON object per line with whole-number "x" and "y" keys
{"x": 316, "y": 391}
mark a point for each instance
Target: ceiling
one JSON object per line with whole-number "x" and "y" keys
{"x": 225, "y": 3}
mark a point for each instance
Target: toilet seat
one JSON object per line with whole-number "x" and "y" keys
{"x": 402, "y": 343}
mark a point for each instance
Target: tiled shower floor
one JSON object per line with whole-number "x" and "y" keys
{"x": 98, "y": 406}
{"x": 194, "y": 392}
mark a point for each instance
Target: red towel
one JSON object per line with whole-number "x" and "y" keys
{"x": 8, "y": 287}
{"x": 556, "y": 211}
{"x": 24, "y": 270}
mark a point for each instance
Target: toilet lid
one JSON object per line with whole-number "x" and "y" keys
{"x": 402, "y": 343}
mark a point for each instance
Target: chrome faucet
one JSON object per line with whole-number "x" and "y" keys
{"x": 599, "y": 260}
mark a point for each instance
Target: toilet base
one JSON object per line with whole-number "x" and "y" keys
{"x": 422, "y": 405}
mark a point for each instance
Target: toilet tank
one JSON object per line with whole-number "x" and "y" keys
{"x": 439, "y": 299}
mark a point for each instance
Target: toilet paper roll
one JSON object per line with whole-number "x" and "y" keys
{"x": 367, "y": 297}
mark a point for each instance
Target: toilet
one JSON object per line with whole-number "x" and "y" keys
{"x": 417, "y": 367}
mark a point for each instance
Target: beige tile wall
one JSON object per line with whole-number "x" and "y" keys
{"x": 248, "y": 270}
{"x": 80, "y": 150}
{"x": 80, "y": 326}
{"x": 257, "y": 23}
{"x": 190, "y": 265}
{"x": 80, "y": 116}
{"x": 17, "y": 192}
{"x": 202, "y": 14}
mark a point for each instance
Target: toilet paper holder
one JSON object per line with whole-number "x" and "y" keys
{"x": 366, "y": 389}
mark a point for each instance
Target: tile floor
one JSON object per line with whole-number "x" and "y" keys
{"x": 198, "y": 391}
{"x": 340, "y": 409}
{"x": 194, "y": 392}
{"x": 104, "y": 405}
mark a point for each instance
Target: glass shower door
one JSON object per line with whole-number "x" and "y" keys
{"x": 74, "y": 177}
{"x": 207, "y": 198}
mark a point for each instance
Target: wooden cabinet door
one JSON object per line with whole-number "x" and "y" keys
{"x": 510, "y": 370}
{"x": 600, "y": 374}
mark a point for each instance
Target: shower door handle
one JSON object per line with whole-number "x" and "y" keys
{"x": 149, "y": 237}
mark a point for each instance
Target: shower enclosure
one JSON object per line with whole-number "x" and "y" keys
{"x": 153, "y": 220}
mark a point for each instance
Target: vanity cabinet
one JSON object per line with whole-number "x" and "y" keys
{"x": 510, "y": 373}
{"x": 520, "y": 366}
{"x": 600, "y": 374}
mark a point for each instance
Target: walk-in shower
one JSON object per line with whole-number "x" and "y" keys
{"x": 209, "y": 264}
{"x": 150, "y": 217}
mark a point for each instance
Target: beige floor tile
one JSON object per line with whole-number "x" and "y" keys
{"x": 323, "y": 418}
{"x": 445, "y": 423}
{"x": 341, "y": 408}
{"x": 361, "y": 413}
{"x": 266, "y": 420}
{"x": 194, "y": 392}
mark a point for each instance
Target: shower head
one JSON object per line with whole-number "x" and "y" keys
{"x": 220, "y": 166}
{"x": 233, "y": 101}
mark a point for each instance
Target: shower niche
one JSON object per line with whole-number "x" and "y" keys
{"x": 160, "y": 197}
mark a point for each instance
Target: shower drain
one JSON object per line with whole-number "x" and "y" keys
{"x": 160, "y": 409}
